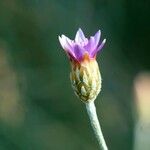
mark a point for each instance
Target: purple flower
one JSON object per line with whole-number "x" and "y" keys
{"x": 80, "y": 47}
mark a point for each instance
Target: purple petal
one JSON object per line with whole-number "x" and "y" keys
{"x": 98, "y": 48}
{"x": 70, "y": 43}
{"x": 67, "y": 44}
{"x": 79, "y": 36}
{"x": 78, "y": 51}
{"x": 62, "y": 41}
{"x": 97, "y": 38}
{"x": 91, "y": 44}
{"x": 101, "y": 45}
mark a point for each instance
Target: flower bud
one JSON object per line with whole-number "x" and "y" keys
{"x": 86, "y": 79}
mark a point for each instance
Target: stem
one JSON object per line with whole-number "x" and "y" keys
{"x": 91, "y": 110}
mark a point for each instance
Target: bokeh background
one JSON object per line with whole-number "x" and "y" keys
{"x": 38, "y": 109}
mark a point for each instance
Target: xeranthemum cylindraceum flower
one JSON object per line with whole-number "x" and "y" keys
{"x": 85, "y": 75}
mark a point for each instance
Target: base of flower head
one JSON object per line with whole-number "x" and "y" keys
{"x": 86, "y": 79}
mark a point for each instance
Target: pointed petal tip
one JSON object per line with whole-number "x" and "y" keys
{"x": 101, "y": 45}
{"x": 59, "y": 37}
{"x": 99, "y": 31}
{"x": 104, "y": 41}
{"x": 63, "y": 36}
{"x": 80, "y": 30}
{"x": 62, "y": 40}
{"x": 79, "y": 37}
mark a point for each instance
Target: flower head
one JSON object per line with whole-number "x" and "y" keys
{"x": 85, "y": 75}
{"x": 80, "y": 47}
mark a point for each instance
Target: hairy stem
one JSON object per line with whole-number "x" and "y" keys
{"x": 91, "y": 110}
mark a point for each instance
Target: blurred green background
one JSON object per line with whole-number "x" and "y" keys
{"x": 38, "y": 109}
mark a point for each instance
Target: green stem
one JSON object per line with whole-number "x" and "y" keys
{"x": 91, "y": 110}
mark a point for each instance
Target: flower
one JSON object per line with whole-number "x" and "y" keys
{"x": 80, "y": 47}
{"x": 85, "y": 75}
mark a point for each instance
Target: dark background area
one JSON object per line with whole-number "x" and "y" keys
{"x": 38, "y": 109}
